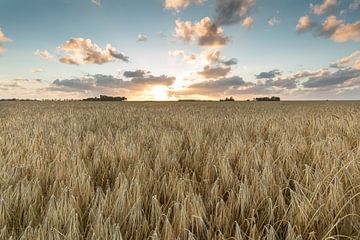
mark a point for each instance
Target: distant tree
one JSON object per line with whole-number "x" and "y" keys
{"x": 105, "y": 98}
{"x": 230, "y": 99}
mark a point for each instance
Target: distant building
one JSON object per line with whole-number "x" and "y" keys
{"x": 267, "y": 99}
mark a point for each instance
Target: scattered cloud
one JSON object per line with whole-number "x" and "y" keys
{"x": 232, "y": 11}
{"x": 136, "y": 74}
{"x": 354, "y": 5}
{"x": 207, "y": 33}
{"x": 188, "y": 58}
{"x": 209, "y": 72}
{"x": 44, "y": 54}
{"x": 304, "y": 24}
{"x": 96, "y": 2}
{"x": 26, "y": 80}
{"x": 214, "y": 57}
{"x": 282, "y": 83}
{"x": 274, "y": 21}
{"x": 142, "y": 38}
{"x": 82, "y": 51}
{"x": 37, "y": 70}
{"x": 180, "y": 4}
{"x": 339, "y": 31}
{"x": 107, "y": 83}
{"x": 267, "y": 75}
{"x": 306, "y": 74}
{"x": 248, "y": 22}
{"x": 326, "y": 7}
{"x": 221, "y": 85}
{"x": 230, "y": 62}
{"x": 348, "y": 61}
{"x": 357, "y": 64}
{"x": 3, "y": 39}
{"x": 345, "y": 77}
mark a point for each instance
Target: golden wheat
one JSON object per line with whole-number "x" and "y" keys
{"x": 179, "y": 170}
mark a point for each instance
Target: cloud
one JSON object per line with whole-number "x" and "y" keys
{"x": 282, "y": 83}
{"x": 36, "y": 70}
{"x": 96, "y": 2}
{"x": 219, "y": 85}
{"x": 347, "y": 61}
{"x": 107, "y": 83}
{"x": 354, "y": 5}
{"x": 44, "y": 54}
{"x": 214, "y": 88}
{"x": 337, "y": 78}
{"x": 274, "y": 21}
{"x": 230, "y": 62}
{"x": 214, "y": 57}
{"x": 191, "y": 58}
{"x": 179, "y": 4}
{"x": 304, "y": 24}
{"x": 357, "y": 64}
{"x": 232, "y": 11}
{"x": 19, "y": 84}
{"x": 325, "y": 7}
{"x": 25, "y": 80}
{"x": 305, "y": 74}
{"x": 135, "y": 74}
{"x": 248, "y": 22}
{"x": 142, "y": 38}
{"x": 118, "y": 55}
{"x": 339, "y": 31}
{"x": 216, "y": 67}
{"x": 267, "y": 75}
{"x": 209, "y": 72}
{"x": 3, "y": 39}
{"x": 83, "y": 51}
{"x": 207, "y": 33}
{"x": 237, "y": 86}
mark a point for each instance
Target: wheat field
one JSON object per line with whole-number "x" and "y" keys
{"x": 242, "y": 170}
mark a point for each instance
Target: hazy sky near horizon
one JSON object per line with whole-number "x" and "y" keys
{"x": 176, "y": 49}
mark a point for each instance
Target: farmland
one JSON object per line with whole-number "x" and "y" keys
{"x": 211, "y": 170}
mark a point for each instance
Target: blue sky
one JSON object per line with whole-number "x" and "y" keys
{"x": 272, "y": 42}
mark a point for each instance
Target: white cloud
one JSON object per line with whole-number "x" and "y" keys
{"x": 96, "y": 2}
{"x": 84, "y": 51}
{"x": 274, "y": 21}
{"x": 304, "y": 24}
{"x": 248, "y": 22}
{"x": 179, "y": 4}
{"x": 44, "y": 54}
{"x": 352, "y": 60}
{"x": 188, "y": 58}
{"x": 142, "y": 38}
{"x": 206, "y": 32}
{"x": 3, "y": 39}
{"x": 326, "y": 6}
{"x": 36, "y": 70}
{"x": 232, "y": 11}
{"x": 339, "y": 31}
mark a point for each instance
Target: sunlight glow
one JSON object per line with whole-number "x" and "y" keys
{"x": 158, "y": 93}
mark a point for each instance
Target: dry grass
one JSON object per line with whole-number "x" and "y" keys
{"x": 180, "y": 170}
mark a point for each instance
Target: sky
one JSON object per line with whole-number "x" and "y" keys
{"x": 180, "y": 49}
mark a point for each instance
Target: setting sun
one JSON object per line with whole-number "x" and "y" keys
{"x": 158, "y": 93}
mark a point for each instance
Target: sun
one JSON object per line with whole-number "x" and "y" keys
{"x": 158, "y": 93}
